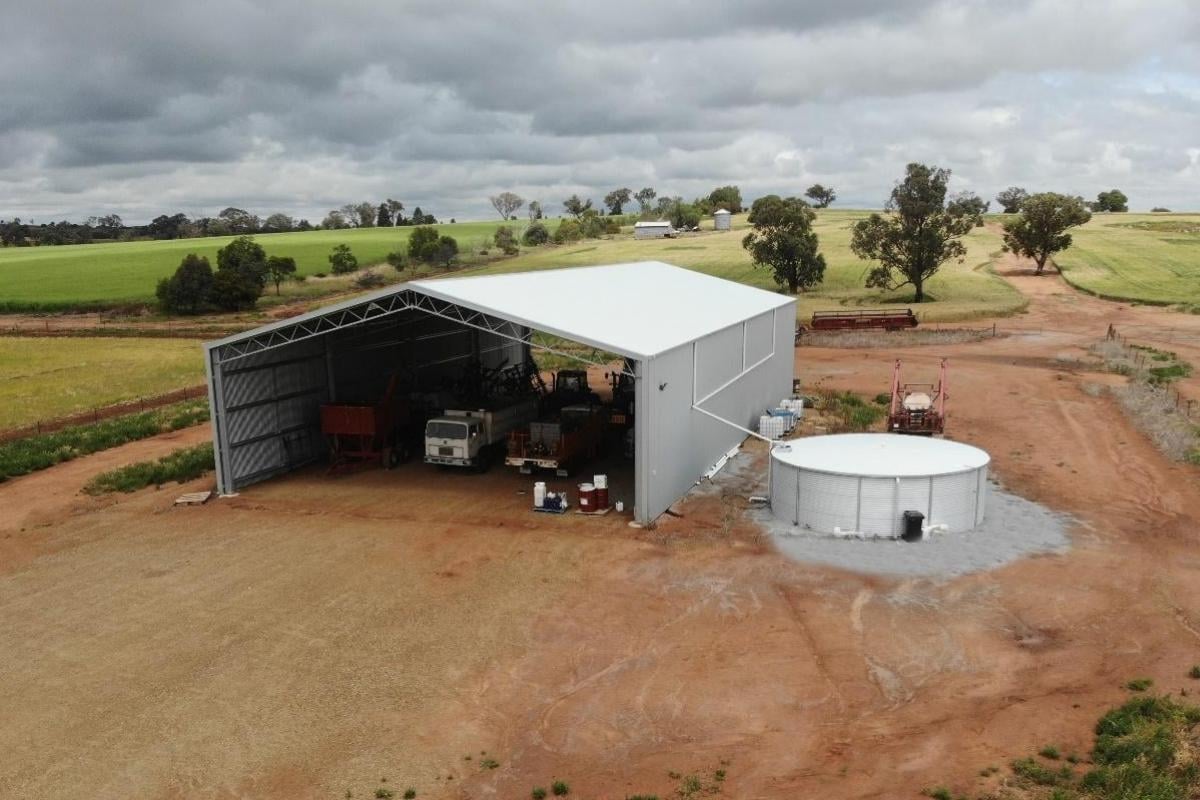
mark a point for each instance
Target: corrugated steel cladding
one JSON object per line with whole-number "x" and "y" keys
{"x": 744, "y": 373}
{"x": 822, "y": 501}
{"x": 265, "y": 405}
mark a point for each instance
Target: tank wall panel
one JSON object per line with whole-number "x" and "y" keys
{"x": 875, "y": 506}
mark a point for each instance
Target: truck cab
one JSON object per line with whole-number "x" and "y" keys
{"x": 454, "y": 441}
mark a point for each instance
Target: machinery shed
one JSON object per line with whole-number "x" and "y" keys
{"x": 706, "y": 356}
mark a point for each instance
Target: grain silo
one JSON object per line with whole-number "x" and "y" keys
{"x": 722, "y": 220}
{"x": 876, "y": 484}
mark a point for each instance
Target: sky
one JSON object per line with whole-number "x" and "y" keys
{"x": 142, "y": 108}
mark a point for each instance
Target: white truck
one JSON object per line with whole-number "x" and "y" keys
{"x": 473, "y": 437}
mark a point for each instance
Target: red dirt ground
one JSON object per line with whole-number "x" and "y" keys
{"x": 317, "y": 635}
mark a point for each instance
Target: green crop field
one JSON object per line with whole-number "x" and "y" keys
{"x": 1151, "y": 258}
{"x": 113, "y": 273}
{"x": 959, "y": 291}
{"x": 46, "y": 378}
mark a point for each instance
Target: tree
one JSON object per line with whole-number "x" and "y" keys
{"x": 239, "y": 220}
{"x": 726, "y": 197}
{"x": 1113, "y": 200}
{"x": 395, "y": 211}
{"x": 568, "y": 230}
{"x": 616, "y": 200}
{"x": 821, "y": 196}
{"x": 342, "y": 260}
{"x": 164, "y": 227}
{"x": 783, "y": 239}
{"x": 918, "y": 235}
{"x": 364, "y": 213}
{"x": 397, "y": 260}
{"x": 971, "y": 204}
{"x": 1041, "y": 229}
{"x": 1011, "y": 199}
{"x": 446, "y": 251}
{"x": 189, "y": 290}
{"x": 684, "y": 216}
{"x": 109, "y": 226}
{"x": 505, "y": 240}
{"x": 278, "y": 222}
{"x": 14, "y": 232}
{"x": 335, "y": 220}
{"x": 535, "y": 210}
{"x": 383, "y": 219}
{"x": 419, "y": 217}
{"x": 506, "y": 203}
{"x": 593, "y": 226}
{"x": 233, "y": 291}
{"x": 536, "y": 234}
{"x": 279, "y": 269}
{"x": 645, "y": 197}
{"x": 421, "y": 241}
{"x": 245, "y": 258}
{"x": 575, "y": 207}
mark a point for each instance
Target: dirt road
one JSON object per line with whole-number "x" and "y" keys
{"x": 316, "y": 635}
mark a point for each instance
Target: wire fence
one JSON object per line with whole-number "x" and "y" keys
{"x": 1141, "y": 359}
{"x": 98, "y": 413}
{"x": 158, "y": 330}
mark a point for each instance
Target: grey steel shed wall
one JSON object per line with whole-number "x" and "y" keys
{"x": 265, "y": 411}
{"x": 676, "y": 444}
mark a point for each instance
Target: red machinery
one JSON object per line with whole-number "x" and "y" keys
{"x": 887, "y": 319}
{"x": 561, "y": 444}
{"x": 361, "y": 432}
{"x": 918, "y": 409}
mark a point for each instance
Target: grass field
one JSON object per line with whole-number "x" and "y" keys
{"x": 960, "y": 291}
{"x": 46, "y": 378}
{"x": 55, "y": 278}
{"x": 1151, "y": 258}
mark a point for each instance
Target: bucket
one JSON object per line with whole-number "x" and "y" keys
{"x": 539, "y": 494}
{"x": 601, "y": 498}
{"x": 587, "y": 497}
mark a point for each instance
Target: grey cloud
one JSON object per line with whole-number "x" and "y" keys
{"x": 144, "y": 107}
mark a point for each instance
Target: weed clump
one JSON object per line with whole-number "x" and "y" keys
{"x": 180, "y": 466}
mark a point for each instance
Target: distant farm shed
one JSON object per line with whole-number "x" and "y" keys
{"x": 706, "y": 354}
{"x": 653, "y": 230}
{"x": 722, "y": 220}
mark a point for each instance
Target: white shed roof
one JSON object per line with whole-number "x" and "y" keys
{"x": 653, "y": 224}
{"x": 636, "y": 310}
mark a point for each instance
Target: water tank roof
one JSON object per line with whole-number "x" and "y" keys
{"x": 720, "y": 211}
{"x": 881, "y": 455}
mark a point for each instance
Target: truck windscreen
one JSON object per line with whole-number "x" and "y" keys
{"x": 446, "y": 430}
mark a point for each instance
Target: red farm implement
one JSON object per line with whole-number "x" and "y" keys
{"x": 358, "y": 433}
{"x": 873, "y": 319}
{"x": 918, "y": 409}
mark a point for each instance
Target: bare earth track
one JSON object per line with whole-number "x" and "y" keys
{"x": 318, "y": 634}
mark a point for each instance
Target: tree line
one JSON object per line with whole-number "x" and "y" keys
{"x": 230, "y": 221}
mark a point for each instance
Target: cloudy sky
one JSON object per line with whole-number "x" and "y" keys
{"x": 144, "y": 107}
